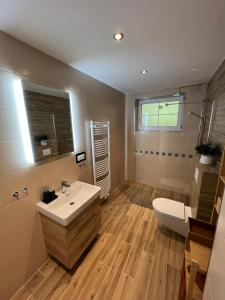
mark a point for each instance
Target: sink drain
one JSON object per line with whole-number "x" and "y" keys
{"x": 71, "y": 203}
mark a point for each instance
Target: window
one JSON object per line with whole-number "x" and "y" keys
{"x": 164, "y": 114}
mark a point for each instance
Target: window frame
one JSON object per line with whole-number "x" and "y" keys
{"x": 177, "y": 128}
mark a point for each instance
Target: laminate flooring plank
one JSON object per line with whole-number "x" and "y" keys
{"x": 141, "y": 282}
{"x": 81, "y": 276}
{"x": 94, "y": 281}
{"x": 172, "y": 283}
{"x": 48, "y": 283}
{"x": 158, "y": 280}
{"x": 114, "y": 273}
{"x": 136, "y": 250}
{"x": 152, "y": 236}
{"x": 59, "y": 287}
{"x": 26, "y": 290}
{"x": 123, "y": 288}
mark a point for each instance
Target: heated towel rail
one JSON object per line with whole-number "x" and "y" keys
{"x": 100, "y": 140}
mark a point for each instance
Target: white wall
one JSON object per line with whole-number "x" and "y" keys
{"x": 11, "y": 147}
{"x": 215, "y": 282}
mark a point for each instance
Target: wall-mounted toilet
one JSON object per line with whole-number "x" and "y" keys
{"x": 172, "y": 214}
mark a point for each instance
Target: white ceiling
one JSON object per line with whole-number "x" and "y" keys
{"x": 167, "y": 37}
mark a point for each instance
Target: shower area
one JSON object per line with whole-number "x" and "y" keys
{"x": 165, "y": 158}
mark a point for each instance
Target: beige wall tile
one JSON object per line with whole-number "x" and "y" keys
{"x": 154, "y": 169}
{"x": 67, "y": 169}
{"x": 6, "y": 89}
{"x": 12, "y": 157}
{"x": 8, "y": 117}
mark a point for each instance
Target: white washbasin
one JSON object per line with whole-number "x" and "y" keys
{"x": 69, "y": 205}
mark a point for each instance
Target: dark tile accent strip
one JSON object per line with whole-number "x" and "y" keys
{"x": 182, "y": 155}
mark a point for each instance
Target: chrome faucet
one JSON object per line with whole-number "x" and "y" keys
{"x": 64, "y": 185}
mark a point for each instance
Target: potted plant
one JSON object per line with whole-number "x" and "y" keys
{"x": 208, "y": 153}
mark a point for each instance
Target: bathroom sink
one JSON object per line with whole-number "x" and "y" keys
{"x": 69, "y": 205}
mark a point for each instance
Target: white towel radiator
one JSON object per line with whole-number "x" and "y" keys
{"x": 100, "y": 140}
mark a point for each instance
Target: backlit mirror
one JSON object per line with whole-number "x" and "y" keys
{"x": 49, "y": 118}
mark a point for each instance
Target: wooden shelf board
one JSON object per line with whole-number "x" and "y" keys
{"x": 201, "y": 254}
{"x": 197, "y": 294}
{"x": 218, "y": 205}
{"x": 222, "y": 178}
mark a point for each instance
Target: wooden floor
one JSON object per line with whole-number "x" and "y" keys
{"x": 132, "y": 259}
{"x": 143, "y": 195}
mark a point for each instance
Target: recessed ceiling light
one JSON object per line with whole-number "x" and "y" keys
{"x": 118, "y": 36}
{"x": 194, "y": 70}
{"x": 143, "y": 72}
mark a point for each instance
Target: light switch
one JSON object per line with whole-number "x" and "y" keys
{"x": 80, "y": 157}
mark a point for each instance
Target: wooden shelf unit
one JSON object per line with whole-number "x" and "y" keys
{"x": 222, "y": 178}
{"x": 203, "y": 190}
{"x": 201, "y": 254}
{"x": 198, "y": 248}
{"x": 217, "y": 204}
{"x": 219, "y": 191}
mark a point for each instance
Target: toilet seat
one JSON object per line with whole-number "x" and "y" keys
{"x": 169, "y": 207}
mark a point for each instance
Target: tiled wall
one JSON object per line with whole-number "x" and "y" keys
{"x": 216, "y": 95}
{"x": 22, "y": 248}
{"x": 163, "y": 159}
{"x": 214, "y": 287}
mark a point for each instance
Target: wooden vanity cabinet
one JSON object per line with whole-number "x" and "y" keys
{"x": 67, "y": 243}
